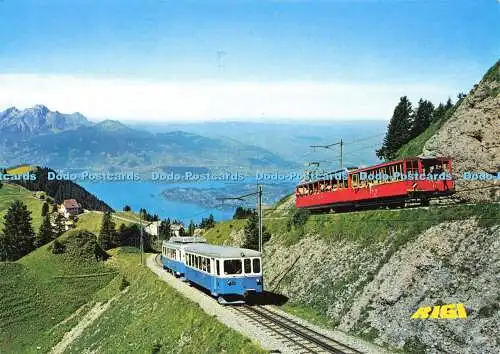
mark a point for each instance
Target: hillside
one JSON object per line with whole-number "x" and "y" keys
{"x": 367, "y": 272}
{"x": 10, "y": 192}
{"x": 61, "y": 190}
{"x": 469, "y": 135}
{"x": 93, "y": 297}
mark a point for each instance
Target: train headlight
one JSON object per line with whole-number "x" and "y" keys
{"x": 259, "y": 281}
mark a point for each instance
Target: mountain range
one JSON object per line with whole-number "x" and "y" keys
{"x": 39, "y": 136}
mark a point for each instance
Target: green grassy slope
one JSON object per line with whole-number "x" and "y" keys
{"x": 221, "y": 231}
{"x": 150, "y": 315}
{"x": 43, "y": 296}
{"x": 39, "y": 291}
{"x": 10, "y": 192}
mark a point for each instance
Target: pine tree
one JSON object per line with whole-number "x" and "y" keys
{"x": 422, "y": 117}
{"x": 18, "y": 236}
{"x": 46, "y": 233}
{"x": 191, "y": 228}
{"x": 164, "y": 229}
{"x": 45, "y": 209}
{"x": 60, "y": 224}
{"x": 398, "y": 131}
{"x": 108, "y": 237}
{"x": 252, "y": 233}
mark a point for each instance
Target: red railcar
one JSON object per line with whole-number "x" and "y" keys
{"x": 391, "y": 183}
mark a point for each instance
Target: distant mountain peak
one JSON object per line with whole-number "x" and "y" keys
{"x": 110, "y": 124}
{"x": 37, "y": 120}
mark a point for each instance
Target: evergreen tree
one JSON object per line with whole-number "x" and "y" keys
{"x": 191, "y": 228}
{"x": 60, "y": 224}
{"x": 18, "y": 236}
{"x": 398, "y": 131}
{"x": 449, "y": 104}
{"x": 127, "y": 208}
{"x": 252, "y": 233}
{"x": 45, "y": 209}
{"x": 164, "y": 229}
{"x": 108, "y": 237}
{"x": 46, "y": 233}
{"x": 422, "y": 117}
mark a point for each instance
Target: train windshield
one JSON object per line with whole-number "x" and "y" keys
{"x": 256, "y": 265}
{"x": 232, "y": 266}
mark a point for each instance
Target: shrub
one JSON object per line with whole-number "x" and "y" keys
{"x": 124, "y": 284}
{"x": 57, "y": 247}
{"x": 299, "y": 218}
{"x": 83, "y": 245}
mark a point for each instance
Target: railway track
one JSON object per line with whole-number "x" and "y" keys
{"x": 297, "y": 337}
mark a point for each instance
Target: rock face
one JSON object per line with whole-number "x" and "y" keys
{"x": 372, "y": 292}
{"x": 38, "y": 120}
{"x": 470, "y": 138}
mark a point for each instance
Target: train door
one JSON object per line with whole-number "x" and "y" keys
{"x": 215, "y": 270}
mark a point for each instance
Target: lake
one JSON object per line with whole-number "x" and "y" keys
{"x": 148, "y": 195}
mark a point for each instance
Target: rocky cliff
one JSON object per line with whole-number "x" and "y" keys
{"x": 470, "y": 138}
{"x": 370, "y": 286}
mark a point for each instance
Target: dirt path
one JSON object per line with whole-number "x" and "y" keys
{"x": 85, "y": 322}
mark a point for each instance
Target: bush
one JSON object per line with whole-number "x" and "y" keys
{"x": 83, "y": 245}
{"x": 57, "y": 247}
{"x": 124, "y": 284}
{"x": 299, "y": 218}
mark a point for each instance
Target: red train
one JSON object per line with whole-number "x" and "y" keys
{"x": 387, "y": 184}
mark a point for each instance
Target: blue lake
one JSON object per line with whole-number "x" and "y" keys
{"x": 147, "y": 194}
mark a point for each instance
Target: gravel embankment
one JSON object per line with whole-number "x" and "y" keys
{"x": 240, "y": 323}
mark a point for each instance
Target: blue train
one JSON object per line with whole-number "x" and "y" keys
{"x": 227, "y": 272}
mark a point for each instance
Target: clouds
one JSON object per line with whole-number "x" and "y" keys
{"x": 129, "y": 99}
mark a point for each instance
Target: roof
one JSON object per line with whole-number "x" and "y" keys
{"x": 176, "y": 245}
{"x": 221, "y": 251}
{"x": 186, "y": 239}
{"x": 71, "y": 204}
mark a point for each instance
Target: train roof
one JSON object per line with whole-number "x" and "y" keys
{"x": 187, "y": 239}
{"x": 221, "y": 251}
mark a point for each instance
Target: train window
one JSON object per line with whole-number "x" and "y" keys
{"x": 209, "y": 266}
{"x": 232, "y": 266}
{"x": 217, "y": 267}
{"x": 256, "y": 265}
{"x": 248, "y": 266}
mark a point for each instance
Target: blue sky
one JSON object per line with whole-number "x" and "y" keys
{"x": 418, "y": 48}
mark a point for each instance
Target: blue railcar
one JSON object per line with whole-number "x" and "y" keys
{"x": 224, "y": 271}
{"x": 173, "y": 255}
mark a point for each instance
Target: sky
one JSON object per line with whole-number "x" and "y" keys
{"x": 199, "y": 60}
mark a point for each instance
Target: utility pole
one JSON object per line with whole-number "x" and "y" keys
{"x": 329, "y": 146}
{"x": 142, "y": 238}
{"x": 259, "y": 203}
{"x": 259, "y": 209}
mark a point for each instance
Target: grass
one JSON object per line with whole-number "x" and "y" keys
{"x": 219, "y": 234}
{"x": 163, "y": 320}
{"x": 10, "y": 192}
{"x": 42, "y": 296}
{"x": 19, "y": 170}
{"x": 38, "y": 292}
{"x": 127, "y": 215}
{"x": 368, "y": 227}
{"x": 90, "y": 221}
